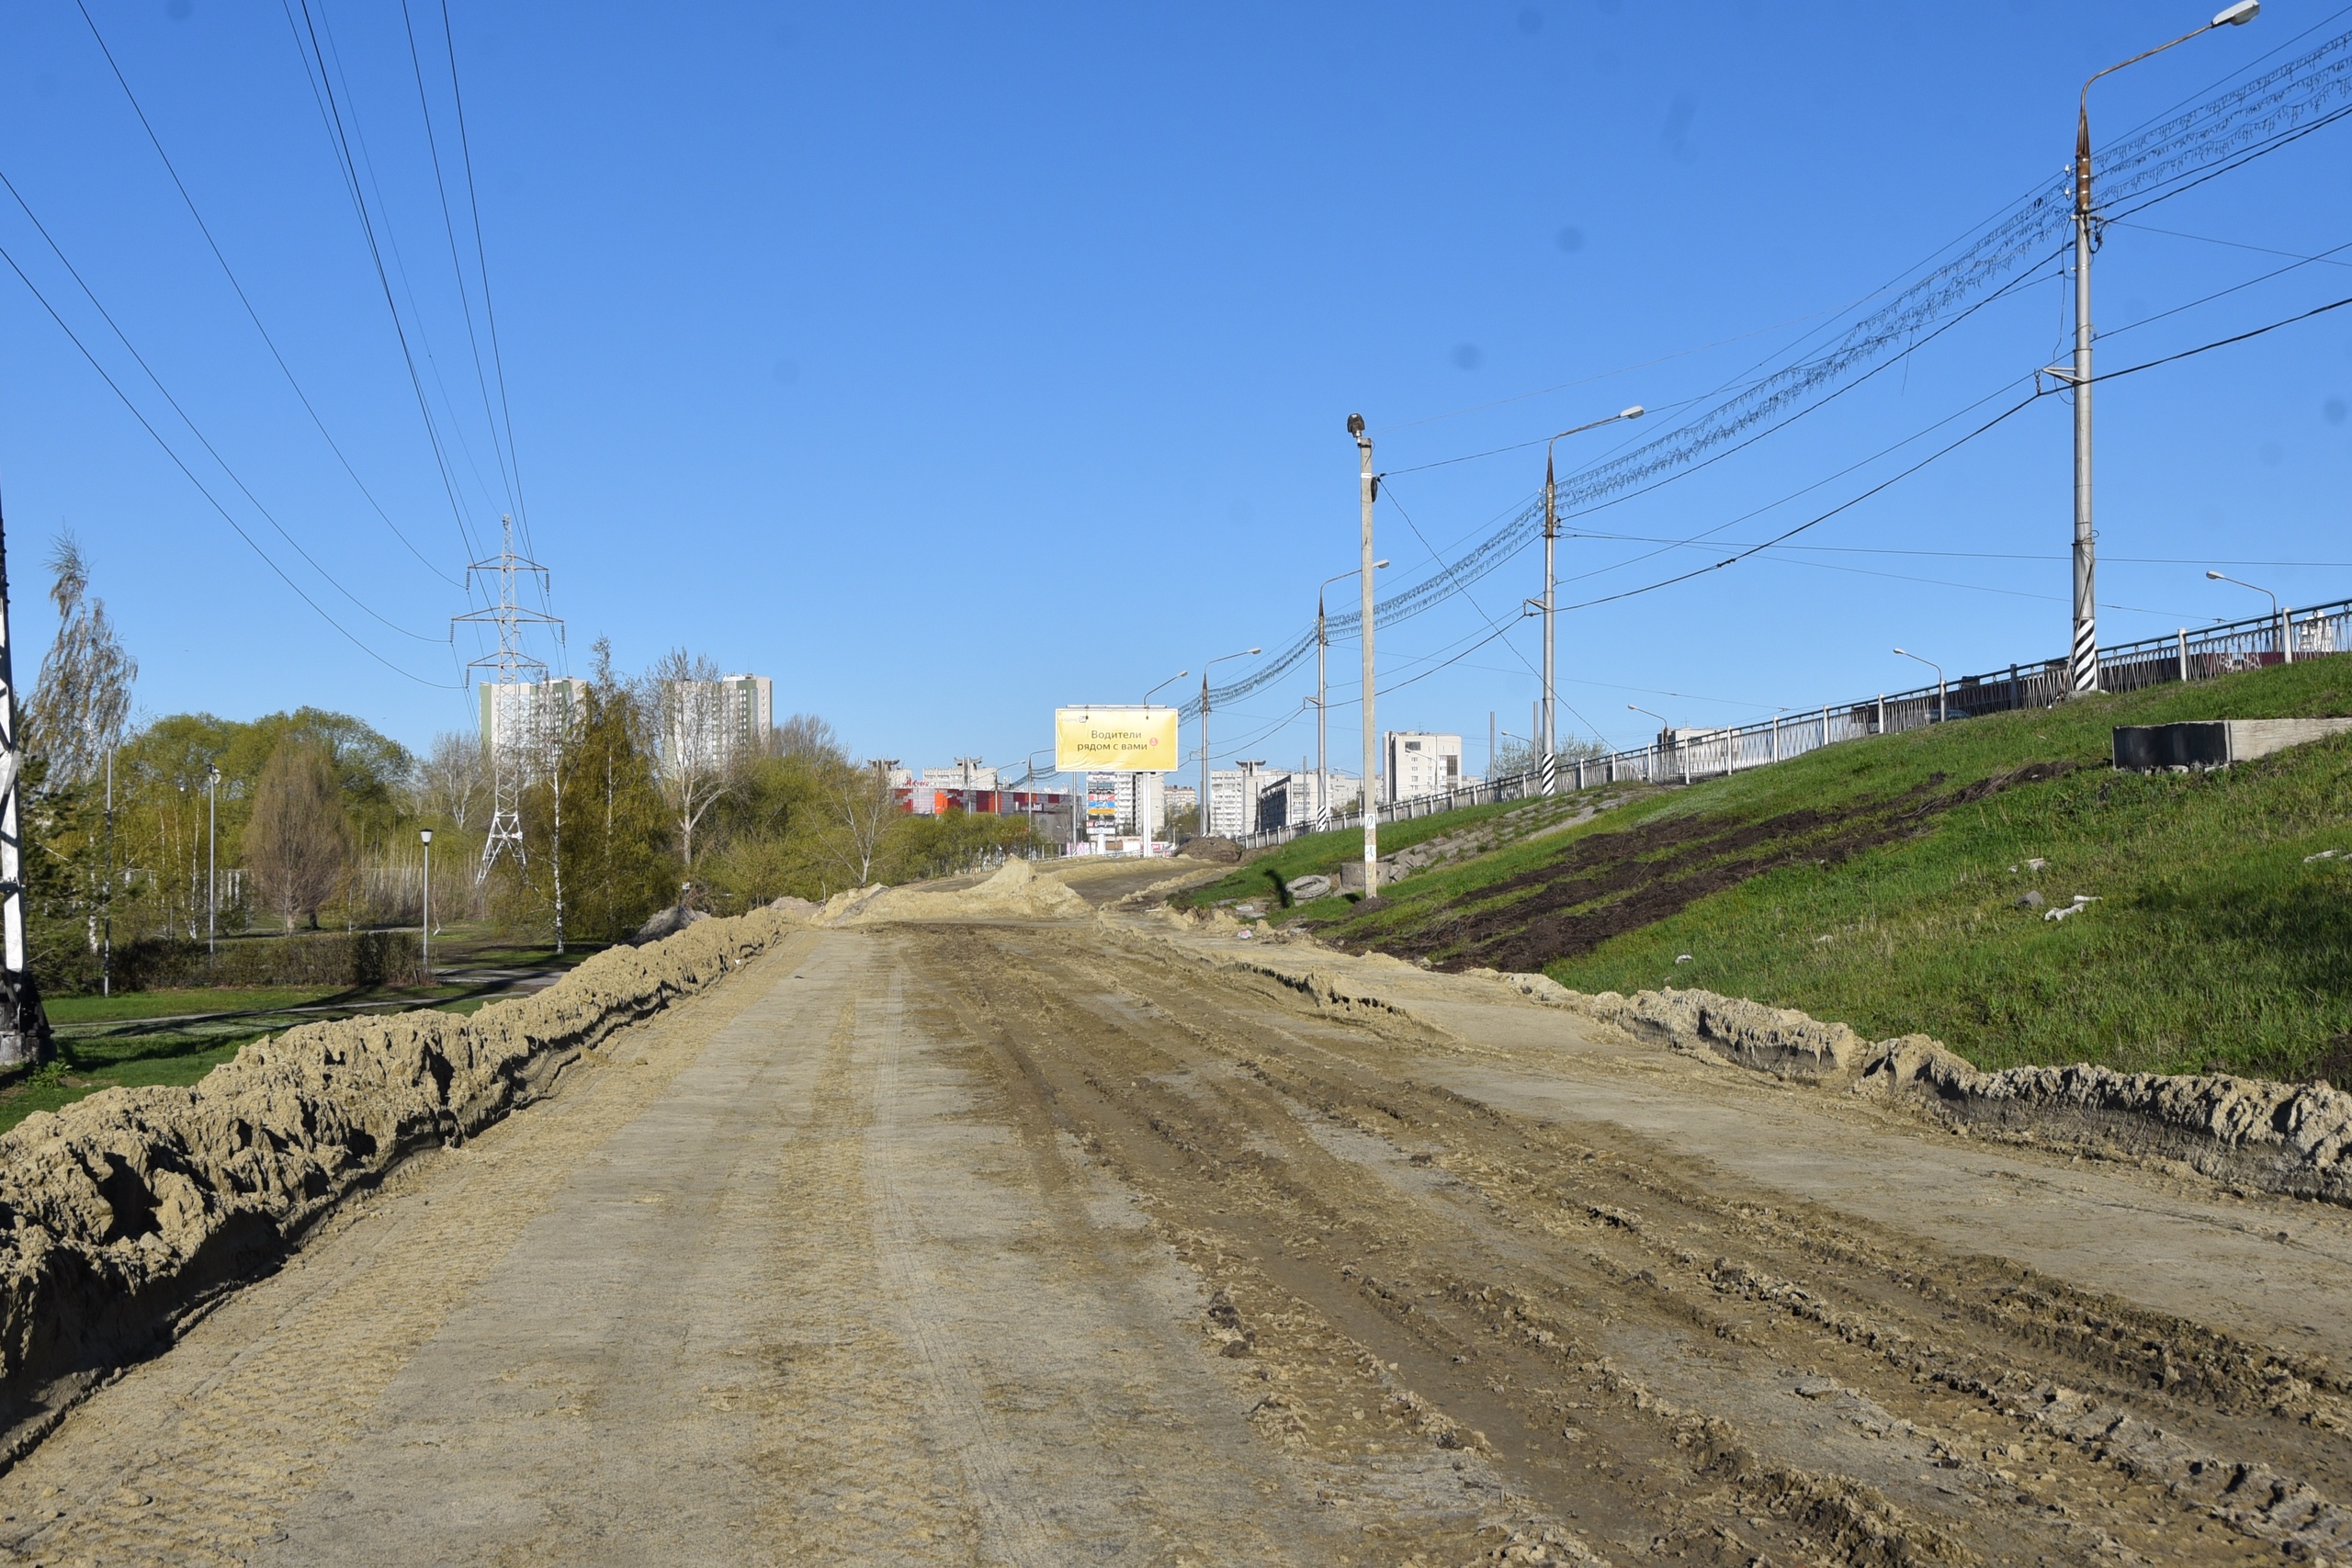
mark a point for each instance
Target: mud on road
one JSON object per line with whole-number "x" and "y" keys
{"x": 1059, "y": 1243}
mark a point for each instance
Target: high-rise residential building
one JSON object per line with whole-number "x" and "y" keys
{"x": 710, "y": 722}
{"x": 1420, "y": 762}
{"x": 527, "y": 714}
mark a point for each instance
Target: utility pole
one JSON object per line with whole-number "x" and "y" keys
{"x": 1369, "y": 485}
{"x": 507, "y": 698}
{"x": 1547, "y": 725}
{"x": 1322, "y": 725}
{"x": 1245, "y": 653}
{"x": 2081, "y": 667}
{"x": 24, "y": 1023}
{"x": 211, "y": 858}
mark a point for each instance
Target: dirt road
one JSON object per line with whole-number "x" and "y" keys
{"x": 1043, "y": 1244}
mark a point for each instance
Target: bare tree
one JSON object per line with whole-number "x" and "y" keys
{"x": 698, "y": 748}
{"x": 78, "y": 713}
{"x": 806, "y": 738}
{"x": 298, "y": 843}
{"x": 453, "y": 778}
{"x": 862, "y": 808}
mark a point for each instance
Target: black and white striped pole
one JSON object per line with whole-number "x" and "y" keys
{"x": 24, "y": 1024}
{"x": 2082, "y": 661}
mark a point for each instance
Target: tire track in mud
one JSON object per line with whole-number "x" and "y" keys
{"x": 1660, "y": 1365}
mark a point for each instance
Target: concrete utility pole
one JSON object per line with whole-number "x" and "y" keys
{"x": 1370, "y": 486}
{"x": 24, "y": 1023}
{"x": 2082, "y": 674}
{"x": 1322, "y": 643}
{"x": 1204, "y": 732}
{"x": 1547, "y": 729}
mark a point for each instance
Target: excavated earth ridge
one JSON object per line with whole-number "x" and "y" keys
{"x": 2290, "y": 1139}
{"x": 125, "y": 1213}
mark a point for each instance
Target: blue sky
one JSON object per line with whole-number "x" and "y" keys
{"x": 949, "y": 363}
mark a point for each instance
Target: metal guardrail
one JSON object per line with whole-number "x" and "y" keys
{"x": 1687, "y": 757}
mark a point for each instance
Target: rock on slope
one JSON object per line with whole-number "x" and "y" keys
{"x": 125, "y": 1210}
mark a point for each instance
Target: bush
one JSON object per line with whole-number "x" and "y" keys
{"x": 329, "y": 958}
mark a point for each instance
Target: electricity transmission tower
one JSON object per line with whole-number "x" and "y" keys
{"x": 517, "y": 691}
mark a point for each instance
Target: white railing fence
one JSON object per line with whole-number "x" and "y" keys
{"x": 1687, "y": 756}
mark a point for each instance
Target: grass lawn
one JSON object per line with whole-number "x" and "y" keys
{"x": 1862, "y": 884}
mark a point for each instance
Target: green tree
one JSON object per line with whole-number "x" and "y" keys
{"x": 299, "y": 839}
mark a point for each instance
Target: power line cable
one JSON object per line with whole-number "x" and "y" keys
{"x": 243, "y": 299}
{"x": 202, "y": 440}
{"x": 331, "y": 115}
{"x": 202, "y": 488}
{"x": 457, "y": 269}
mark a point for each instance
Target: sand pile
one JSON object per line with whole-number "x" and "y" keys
{"x": 1016, "y": 893}
{"x": 126, "y": 1209}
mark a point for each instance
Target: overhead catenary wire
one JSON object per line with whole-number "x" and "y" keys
{"x": 2257, "y": 116}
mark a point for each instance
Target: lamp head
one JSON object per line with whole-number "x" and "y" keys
{"x": 1379, "y": 566}
{"x": 1905, "y": 652}
{"x": 2237, "y": 15}
{"x": 424, "y": 835}
{"x": 1355, "y": 425}
{"x": 1633, "y": 412}
{"x": 1248, "y": 651}
{"x": 2217, "y": 577}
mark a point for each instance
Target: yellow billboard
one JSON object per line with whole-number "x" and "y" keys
{"x": 1117, "y": 739}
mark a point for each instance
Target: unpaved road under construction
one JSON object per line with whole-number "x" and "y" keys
{"x": 1054, "y": 1244}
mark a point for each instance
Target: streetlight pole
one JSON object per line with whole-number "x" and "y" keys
{"x": 1144, "y": 829}
{"x": 1204, "y": 732}
{"x": 1549, "y": 741}
{"x": 1369, "y": 485}
{"x": 2083, "y": 661}
{"x": 1664, "y": 728}
{"x": 1322, "y": 642}
{"x": 106, "y": 949}
{"x": 2277, "y": 617}
{"x": 425, "y": 837}
{"x": 1941, "y": 714}
{"x": 211, "y": 859}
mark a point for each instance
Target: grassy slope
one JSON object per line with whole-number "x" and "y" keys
{"x": 2214, "y": 943}
{"x": 1322, "y": 855}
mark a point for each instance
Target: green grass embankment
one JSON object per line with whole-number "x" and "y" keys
{"x": 1322, "y": 855}
{"x": 1870, "y": 882}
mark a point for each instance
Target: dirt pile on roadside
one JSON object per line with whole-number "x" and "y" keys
{"x": 123, "y": 1211}
{"x": 2293, "y": 1139}
{"x": 1016, "y": 893}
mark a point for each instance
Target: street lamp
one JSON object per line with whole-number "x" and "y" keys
{"x": 1170, "y": 682}
{"x": 1664, "y": 727}
{"x": 1144, "y": 829}
{"x": 1322, "y": 771}
{"x": 1204, "y": 732}
{"x": 2278, "y": 615}
{"x": 2083, "y": 664}
{"x": 425, "y": 837}
{"x": 211, "y": 858}
{"x": 1551, "y": 533}
{"x": 1939, "y": 669}
{"x": 1368, "y": 492}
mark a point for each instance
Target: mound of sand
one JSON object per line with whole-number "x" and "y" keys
{"x": 1016, "y": 893}
{"x": 123, "y": 1211}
